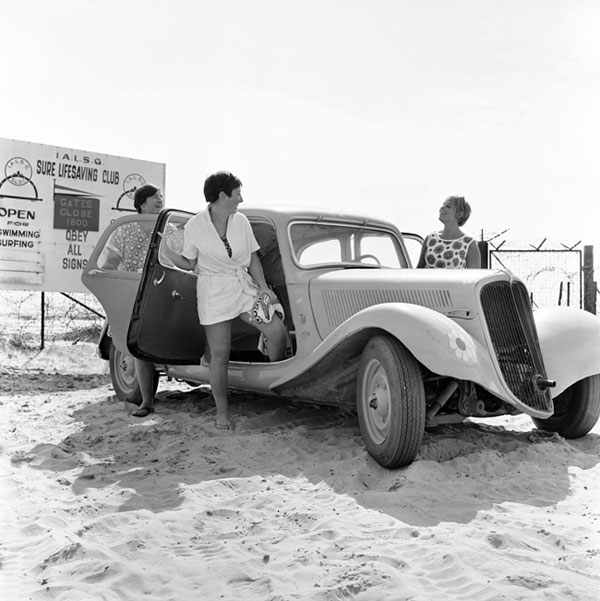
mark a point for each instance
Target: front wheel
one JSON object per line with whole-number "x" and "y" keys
{"x": 390, "y": 400}
{"x": 123, "y": 377}
{"x": 576, "y": 410}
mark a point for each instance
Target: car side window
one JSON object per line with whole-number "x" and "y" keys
{"x": 126, "y": 247}
{"x": 324, "y": 251}
{"x": 317, "y": 244}
{"x": 377, "y": 248}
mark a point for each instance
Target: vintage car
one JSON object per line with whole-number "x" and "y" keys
{"x": 405, "y": 348}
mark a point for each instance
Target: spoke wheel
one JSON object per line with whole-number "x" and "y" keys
{"x": 390, "y": 402}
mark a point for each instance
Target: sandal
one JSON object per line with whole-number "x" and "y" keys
{"x": 143, "y": 411}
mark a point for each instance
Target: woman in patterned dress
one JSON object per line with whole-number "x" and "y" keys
{"x": 451, "y": 248}
{"x": 126, "y": 251}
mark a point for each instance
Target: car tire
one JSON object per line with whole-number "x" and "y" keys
{"x": 390, "y": 399}
{"x": 576, "y": 409}
{"x": 123, "y": 378}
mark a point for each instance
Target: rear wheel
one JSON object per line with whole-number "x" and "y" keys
{"x": 123, "y": 377}
{"x": 576, "y": 410}
{"x": 390, "y": 400}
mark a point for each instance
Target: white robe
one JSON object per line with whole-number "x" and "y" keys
{"x": 225, "y": 289}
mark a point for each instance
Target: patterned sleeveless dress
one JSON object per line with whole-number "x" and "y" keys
{"x": 446, "y": 254}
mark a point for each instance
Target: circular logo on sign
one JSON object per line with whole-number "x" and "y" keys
{"x": 18, "y": 171}
{"x": 132, "y": 182}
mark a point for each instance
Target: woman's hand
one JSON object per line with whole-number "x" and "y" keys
{"x": 266, "y": 290}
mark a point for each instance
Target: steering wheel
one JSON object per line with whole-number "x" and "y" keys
{"x": 360, "y": 259}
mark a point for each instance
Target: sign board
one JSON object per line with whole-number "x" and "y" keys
{"x": 54, "y": 204}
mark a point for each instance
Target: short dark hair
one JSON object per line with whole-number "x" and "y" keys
{"x": 221, "y": 181}
{"x": 142, "y": 194}
{"x": 462, "y": 208}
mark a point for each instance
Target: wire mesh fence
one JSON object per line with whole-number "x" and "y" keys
{"x": 29, "y": 319}
{"x": 553, "y": 277}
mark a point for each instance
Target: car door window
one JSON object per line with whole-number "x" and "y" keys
{"x": 173, "y": 236}
{"x": 126, "y": 247}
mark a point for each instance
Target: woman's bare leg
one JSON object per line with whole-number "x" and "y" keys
{"x": 144, "y": 372}
{"x": 218, "y": 336}
{"x": 276, "y": 333}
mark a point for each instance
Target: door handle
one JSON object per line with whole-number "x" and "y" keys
{"x": 176, "y": 295}
{"x": 158, "y": 281}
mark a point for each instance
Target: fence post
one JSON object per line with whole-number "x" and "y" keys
{"x": 589, "y": 285}
{"x": 484, "y": 252}
{"x": 43, "y": 320}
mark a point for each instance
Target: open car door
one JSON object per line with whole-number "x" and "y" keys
{"x": 115, "y": 285}
{"x": 164, "y": 325}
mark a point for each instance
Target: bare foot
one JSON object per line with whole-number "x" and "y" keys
{"x": 223, "y": 423}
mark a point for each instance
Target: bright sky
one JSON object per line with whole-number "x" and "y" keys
{"x": 379, "y": 106}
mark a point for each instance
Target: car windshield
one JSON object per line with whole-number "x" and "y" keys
{"x": 316, "y": 244}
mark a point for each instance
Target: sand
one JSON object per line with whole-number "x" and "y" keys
{"x": 99, "y": 505}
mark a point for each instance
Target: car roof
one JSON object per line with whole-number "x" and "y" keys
{"x": 293, "y": 213}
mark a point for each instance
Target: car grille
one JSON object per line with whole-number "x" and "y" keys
{"x": 509, "y": 318}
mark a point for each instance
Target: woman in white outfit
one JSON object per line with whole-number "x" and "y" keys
{"x": 220, "y": 247}
{"x": 451, "y": 248}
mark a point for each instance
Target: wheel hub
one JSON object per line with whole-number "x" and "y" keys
{"x": 377, "y": 396}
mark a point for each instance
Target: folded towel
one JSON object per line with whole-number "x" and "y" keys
{"x": 262, "y": 312}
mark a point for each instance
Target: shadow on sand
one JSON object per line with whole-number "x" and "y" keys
{"x": 461, "y": 469}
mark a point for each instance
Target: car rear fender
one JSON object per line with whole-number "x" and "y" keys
{"x": 436, "y": 341}
{"x": 570, "y": 343}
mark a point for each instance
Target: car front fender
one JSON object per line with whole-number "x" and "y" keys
{"x": 436, "y": 341}
{"x": 570, "y": 343}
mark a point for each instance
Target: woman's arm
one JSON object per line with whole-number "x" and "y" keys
{"x": 109, "y": 259}
{"x": 256, "y": 271}
{"x": 473, "y": 256}
{"x": 175, "y": 258}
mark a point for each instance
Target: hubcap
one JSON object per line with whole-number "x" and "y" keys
{"x": 127, "y": 370}
{"x": 376, "y": 397}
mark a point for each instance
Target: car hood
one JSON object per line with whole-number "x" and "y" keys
{"x": 336, "y": 296}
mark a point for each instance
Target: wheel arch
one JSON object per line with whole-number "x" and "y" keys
{"x": 332, "y": 379}
{"x": 428, "y": 335}
{"x": 570, "y": 343}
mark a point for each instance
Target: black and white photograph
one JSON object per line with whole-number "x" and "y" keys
{"x": 299, "y": 300}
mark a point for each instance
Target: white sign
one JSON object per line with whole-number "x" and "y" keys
{"x": 54, "y": 204}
